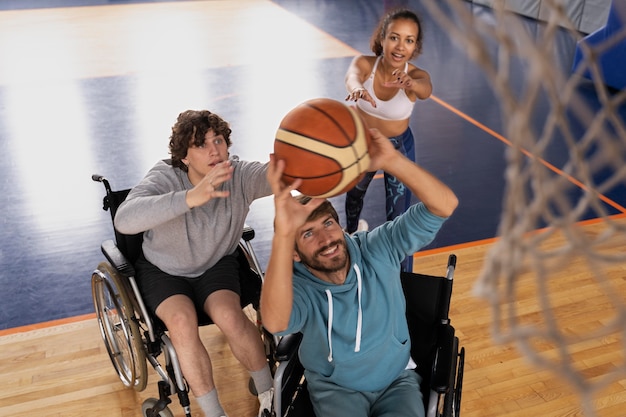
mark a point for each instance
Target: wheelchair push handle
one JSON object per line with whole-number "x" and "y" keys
{"x": 447, "y": 288}
{"x": 452, "y": 260}
{"x": 451, "y": 268}
{"x": 103, "y": 180}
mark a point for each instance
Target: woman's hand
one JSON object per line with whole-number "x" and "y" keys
{"x": 403, "y": 80}
{"x": 417, "y": 81}
{"x": 362, "y": 94}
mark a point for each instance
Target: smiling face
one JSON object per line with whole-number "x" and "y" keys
{"x": 201, "y": 159}
{"x": 321, "y": 246}
{"x": 399, "y": 42}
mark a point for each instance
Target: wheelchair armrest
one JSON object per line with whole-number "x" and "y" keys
{"x": 117, "y": 258}
{"x": 248, "y": 233}
{"x": 445, "y": 359}
{"x": 288, "y": 347}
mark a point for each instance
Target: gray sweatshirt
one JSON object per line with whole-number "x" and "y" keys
{"x": 183, "y": 241}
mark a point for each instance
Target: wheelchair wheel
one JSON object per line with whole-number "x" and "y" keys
{"x": 118, "y": 326}
{"x": 149, "y": 404}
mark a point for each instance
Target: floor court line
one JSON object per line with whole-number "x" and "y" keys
{"x": 46, "y": 324}
{"x": 492, "y": 240}
{"x": 525, "y": 152}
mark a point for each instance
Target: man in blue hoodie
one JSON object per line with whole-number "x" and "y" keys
{"x": 343, "y": 292}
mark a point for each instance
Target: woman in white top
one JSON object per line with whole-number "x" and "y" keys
{"x": 385, "y": 87}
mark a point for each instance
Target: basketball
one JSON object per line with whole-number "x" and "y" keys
{"x": 325, "y": 143}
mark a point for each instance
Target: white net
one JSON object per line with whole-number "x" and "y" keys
{"x": 565, "y": 175}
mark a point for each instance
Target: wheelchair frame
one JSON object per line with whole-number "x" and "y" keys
{"x": 439, "y": 358}
{"x": 132, "y": 336}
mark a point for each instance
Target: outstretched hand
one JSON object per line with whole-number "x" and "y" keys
{"x": 361, "y": 94}
{"x": 209, "y": 186}
{"x": 403, "y": 80}
{"x": 290, "y": 214}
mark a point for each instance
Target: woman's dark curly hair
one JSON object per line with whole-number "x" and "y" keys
{"x": 190, "y": 130}
{"x": 381, "y": 31}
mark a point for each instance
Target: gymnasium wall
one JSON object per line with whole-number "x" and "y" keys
{"x": 587, "y": 15}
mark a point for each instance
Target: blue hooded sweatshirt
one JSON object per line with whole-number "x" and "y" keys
{"x": 355, "y": 334}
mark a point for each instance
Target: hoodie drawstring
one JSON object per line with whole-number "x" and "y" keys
{"x": 330, "y": 324}
{"x": 359, "y": 321}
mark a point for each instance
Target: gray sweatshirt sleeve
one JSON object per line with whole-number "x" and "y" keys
{"x": 158, "y": 198}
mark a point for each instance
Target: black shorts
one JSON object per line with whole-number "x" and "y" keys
{"x": 155, "y": 285}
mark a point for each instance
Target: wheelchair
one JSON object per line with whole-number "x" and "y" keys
{"x": 133, "y": 336}
{"x": 434, "y": 348}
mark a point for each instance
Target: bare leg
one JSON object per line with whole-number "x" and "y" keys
{"x": 224, "y": 308}
{"x": 179, "y": 315}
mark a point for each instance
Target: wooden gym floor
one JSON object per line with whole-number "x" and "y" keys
{"x": 94, "y": 87}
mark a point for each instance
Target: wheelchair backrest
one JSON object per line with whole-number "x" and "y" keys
{"x": 427, "y": 301}
{"x": 130, "y": 245}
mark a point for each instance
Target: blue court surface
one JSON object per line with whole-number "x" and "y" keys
{"x": 95, "y": 86}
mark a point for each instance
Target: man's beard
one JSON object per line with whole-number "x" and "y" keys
{"x": 326, "y": 265}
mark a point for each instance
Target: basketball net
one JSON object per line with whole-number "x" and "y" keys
{"x": 548, "y": 201}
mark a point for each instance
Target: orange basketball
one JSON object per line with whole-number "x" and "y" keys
{"x": 324, "y": 142}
